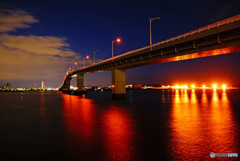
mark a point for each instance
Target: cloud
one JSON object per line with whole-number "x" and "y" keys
{"x": 31, "y": 57}
{"x": 38, "y": 45}
{"x": 10, "y": 20}
{"x": 34, "y": 57}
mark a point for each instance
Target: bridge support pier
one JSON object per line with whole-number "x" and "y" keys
{"x": 118, "y": 83}
{"x": 67, "y": 85}
{"x": 80, "y": 82}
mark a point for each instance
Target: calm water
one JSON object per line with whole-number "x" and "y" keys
{"x": 149, "y": 125}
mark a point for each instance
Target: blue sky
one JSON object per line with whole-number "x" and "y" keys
{"x": 46, "y": 37}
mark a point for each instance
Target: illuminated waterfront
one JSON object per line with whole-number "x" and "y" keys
{"x": 171, "y": 124}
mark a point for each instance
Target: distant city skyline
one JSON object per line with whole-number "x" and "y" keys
{"x": 41, "y": 40}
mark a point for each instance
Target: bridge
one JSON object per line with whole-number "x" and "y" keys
{"x": 222, "y": 37}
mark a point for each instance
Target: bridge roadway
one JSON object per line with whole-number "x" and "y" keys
{"x": 222, "y": 37}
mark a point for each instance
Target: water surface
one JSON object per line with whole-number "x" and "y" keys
{"x": 148, "y": 125}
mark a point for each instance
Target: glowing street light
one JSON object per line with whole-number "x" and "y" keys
{"x": 68, "y": 70}
{"x": 224, "y": 86}
{"x": 118, "y": 40}
{"x": 150, "y": 23}
{"x": 75, "y": 64}
{"x": 204, "y": 86}
{"x": 214, "y": 86}
{"x": 193, "y": 86}
{"x": 87, "y": 57}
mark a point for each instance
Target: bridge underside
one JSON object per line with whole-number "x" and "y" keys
{"x": 194, "y": 53}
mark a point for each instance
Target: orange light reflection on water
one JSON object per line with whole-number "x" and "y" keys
{"x": 203, "y": 124}
{"x": 79, "y": 117}
{"x": 115, "y": 128}
{"x": 118, "y": 134}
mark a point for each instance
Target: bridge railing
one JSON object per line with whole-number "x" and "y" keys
{"x": 205, "y": 28}
{"x": 208, "y": 27}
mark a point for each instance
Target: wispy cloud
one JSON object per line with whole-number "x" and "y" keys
{"x": 38, "y": 45}
{"x": 10, "y": 20}
{"x": 31, "y": 57}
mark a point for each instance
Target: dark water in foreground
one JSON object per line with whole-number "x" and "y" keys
{"x": 149, "y": 125}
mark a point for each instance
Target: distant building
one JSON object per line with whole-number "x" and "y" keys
{"x": 43, "y": 85}
{"x": 137, "y": 86}
{"x": 8, "y": 86}
{"x": 34, "y": 86}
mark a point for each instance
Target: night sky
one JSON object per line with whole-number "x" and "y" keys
{"x": 39, "y": 40}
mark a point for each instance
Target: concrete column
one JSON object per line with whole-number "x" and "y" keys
{"x": 67, "y": 84}
{"x": 80, "y": 82}
{"x": 118, "y": 83}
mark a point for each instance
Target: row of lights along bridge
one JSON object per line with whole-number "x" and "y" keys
{"x": 214, "y": 86}
{"x": 118, "y": 40}
{"x": 70, "y": 69}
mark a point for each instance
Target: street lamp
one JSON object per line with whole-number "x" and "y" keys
{"x": 150, "y": 22}
{"x": 75, "y": 64}
{"x": 87, "y": 57}
{"x": 68, "y": 70}
{"x": 117, "y": 40}
{"x": 94, "y": 56}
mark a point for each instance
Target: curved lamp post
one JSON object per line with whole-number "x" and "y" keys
{"x": 150, "y": 22}
{"x": 117, "y": 40}
{"x": 87, "y": 57}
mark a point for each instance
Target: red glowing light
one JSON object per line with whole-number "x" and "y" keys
{"x": 118, "y": 40}
{"x": 75, "y": 63}
{"x": 87, "y": 57}
{"x": 113, "y": 86}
